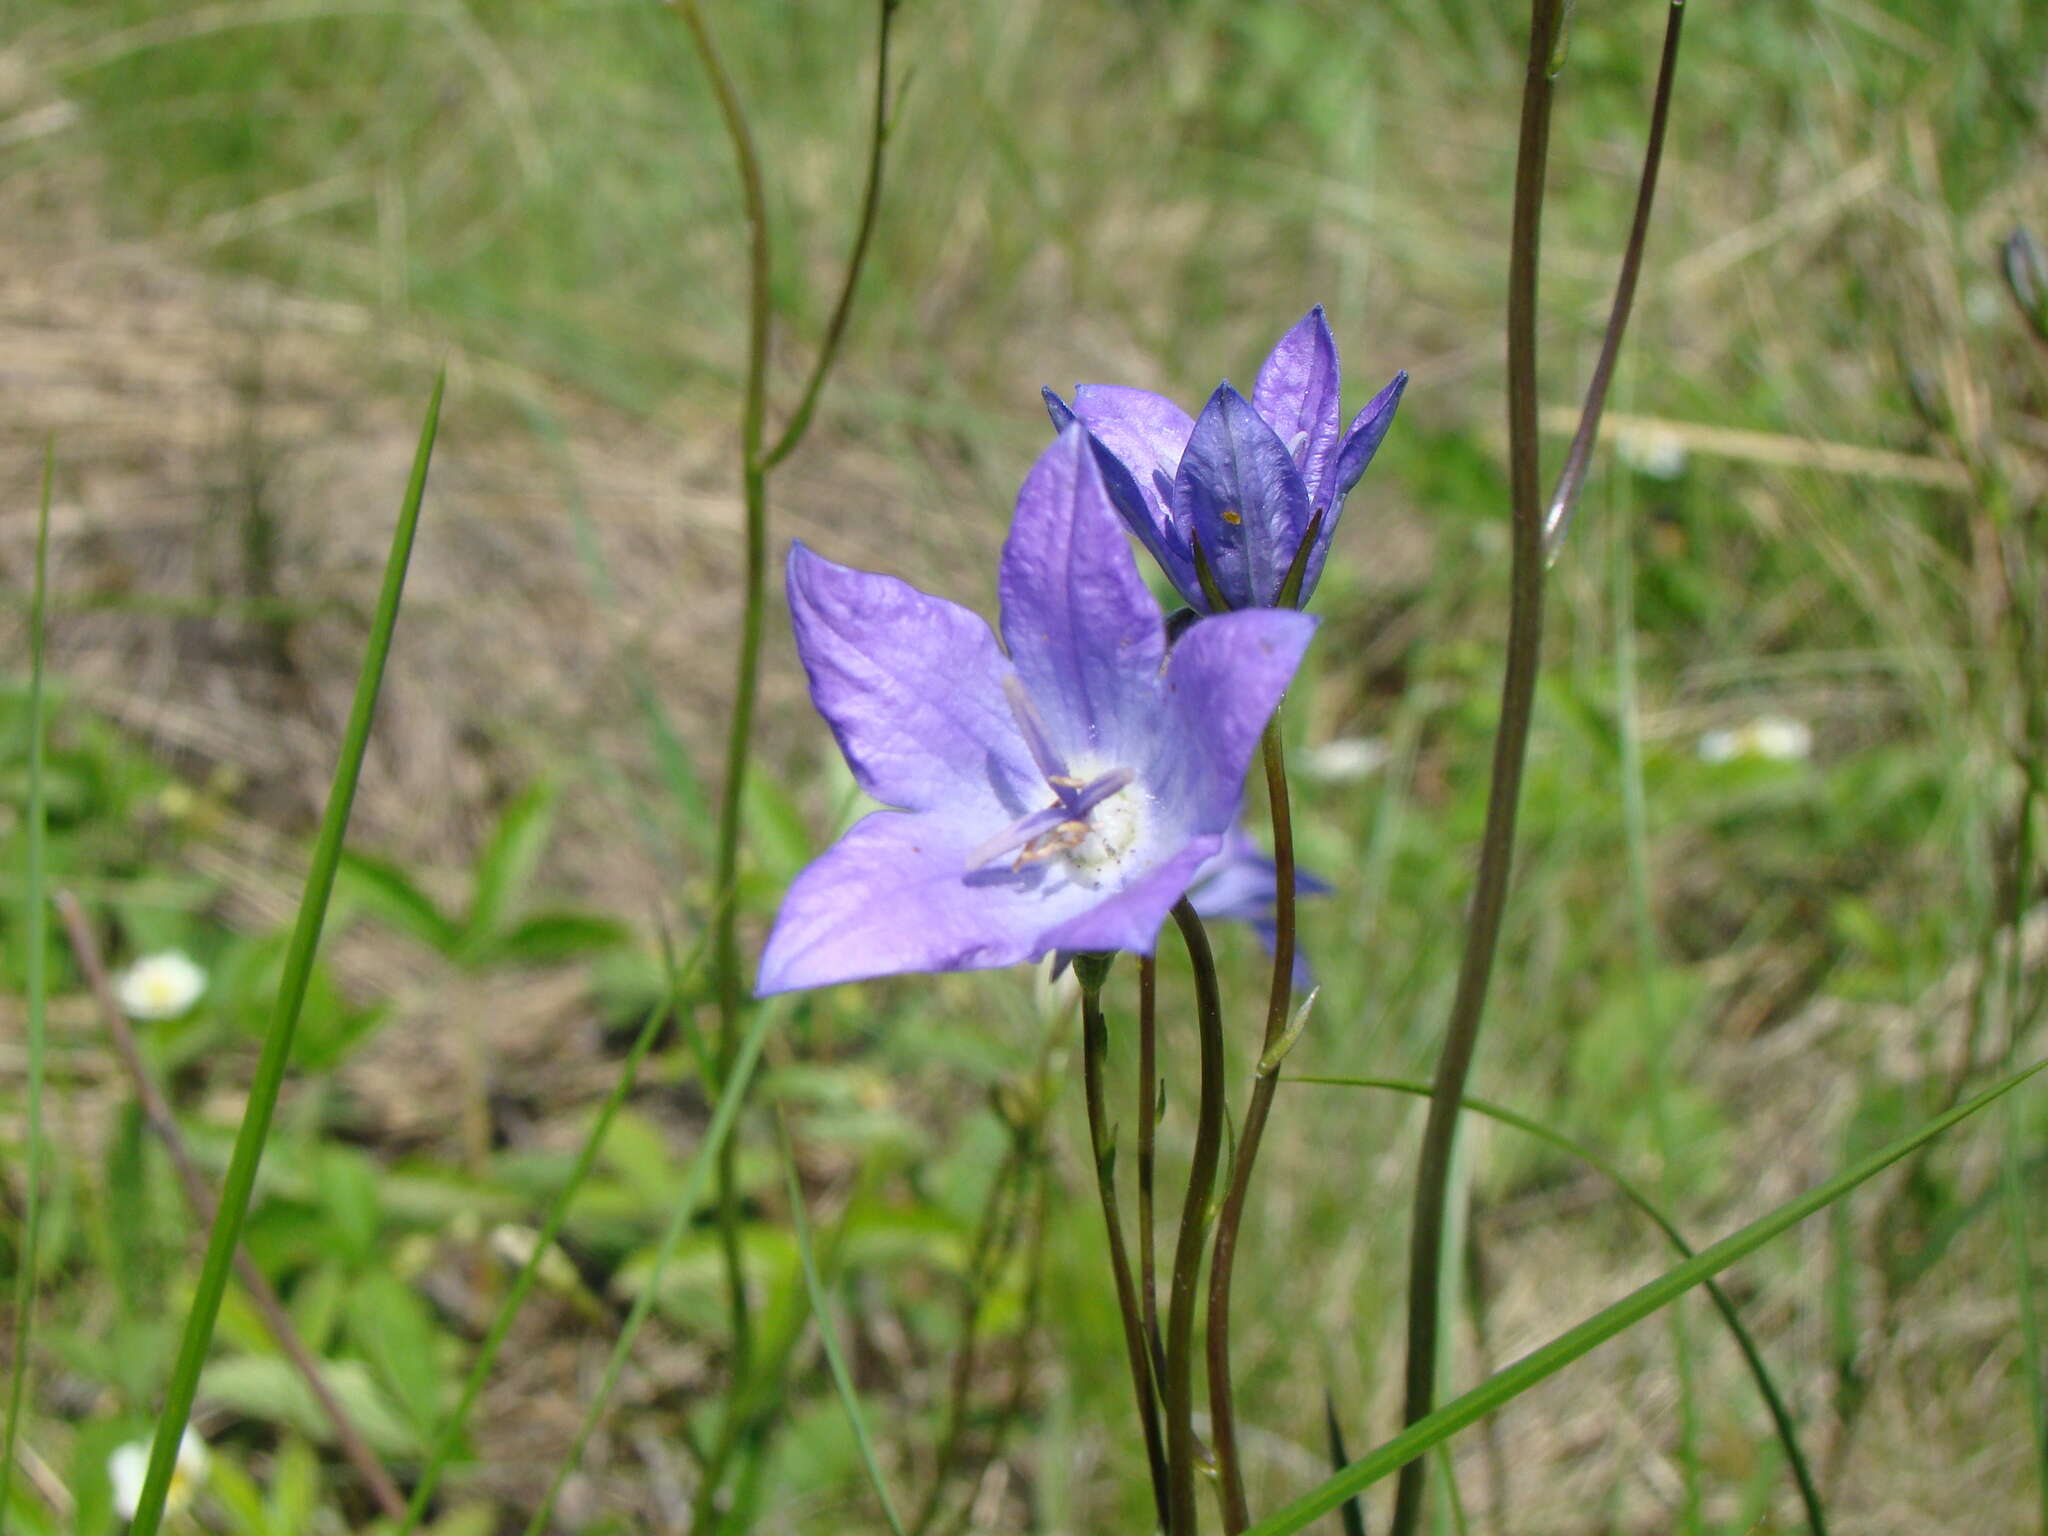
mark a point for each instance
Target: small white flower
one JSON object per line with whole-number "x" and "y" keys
{"x": 1347, "y": 759}
{"x": 128, "y": 1466}
{"x": 160, "y": 986}
{"x": 1773, "y": 738}
{"x": 1660, "y": 455}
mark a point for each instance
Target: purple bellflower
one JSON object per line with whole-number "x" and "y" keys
{"x": 1247, "y": 479}
{"x": 1241, "y": 885}
{"x": 1062, "y": 796}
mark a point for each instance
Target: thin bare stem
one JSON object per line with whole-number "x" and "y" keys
{"x": 1222, "y": 1405}
{"x": 870, "y": 207}
{"x": 1091, "y": 970}
{"x": 1194, "y": 1216}
{"x": 1148, "y": 1156}
{"x": 1557, "y": 520}
{"x": 199, "y": 1195}
{"x": 725, "y": 958}
{"x": 1510, "y": 745}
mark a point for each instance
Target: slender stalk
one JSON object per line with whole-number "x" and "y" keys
{"x": 1222, "y": 1407}
{"x": 757, "y": 458}
{"x": 1510, "y": 745}
{"x": 1194, "y": 1215}
{"x": 240, "y": 1183}
{"x": 1557, "y": 520}
{"x": 725, "y": 957}
{"x": 157, "y": 1112}
{"x": 870, "y": 208}
{"x": 1148, "y": 1156}
{"x": 1091, "y": 971}
{"x": 35, "y": 937}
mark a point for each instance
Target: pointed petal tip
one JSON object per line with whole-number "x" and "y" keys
{"x": 1061, "y": 413}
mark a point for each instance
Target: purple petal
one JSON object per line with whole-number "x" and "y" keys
{"x": 1130, "y": 919}
{"x": 1297, "y": 394}
{"x": 1083, "y": 632}
{"x": 1238, "y": 491}
{"x": 912, "y": 687}
{"x": 895, "y": 895}
{"x": 1147, "y": 432}
{"x": 1368, "y": 431}
{"x": 1223, "y": 682}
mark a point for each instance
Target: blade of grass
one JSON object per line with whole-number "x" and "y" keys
{"x": 1774, "y": 1402}
{"x": 35, "y": 934}
{"x": 240, "y": 1182}
{"x": 731, "y": 1096}
{"x": 1547, "y": 1360}
{"x": 551, "y": 1227}
{"x": 828, "y": 1331}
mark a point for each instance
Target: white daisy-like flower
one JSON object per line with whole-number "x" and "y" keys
{"x": 1773, "y": 738}
{"x": 128, "y": 1466}
{"x": 160, "y": 986}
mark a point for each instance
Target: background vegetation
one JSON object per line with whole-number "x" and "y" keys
{"x": 238, "y": 237}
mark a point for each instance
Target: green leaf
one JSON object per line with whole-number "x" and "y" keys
{"x": 392, "y": 1326}
{"x": 509, "y": 860}
{"x": 240, "y": 1183}
{"x": 550, "y": 938}
{"x": 1539, "y": 1364}
{"x": 36, "y": 942}
{"x": 388, "y": 894}
{"x": 269, "y": 1387}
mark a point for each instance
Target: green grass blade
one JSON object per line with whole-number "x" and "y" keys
{"x": 1541, "y": 1363}
{"x": 551, "y": 1227}
{"x": 35, "y": 933}
{"x": 828, "y": 1330}
{"x": 291, "y": 993}
{"x": 730, "y": 1099}
{"x": 1767, "y": 1387}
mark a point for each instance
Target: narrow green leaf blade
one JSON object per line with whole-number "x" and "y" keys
{"x": 1506, "y": 1385}
{"x": 511, "y": 857}
{"x": 35, "y": 934}
{"x": 240, "y": 1183}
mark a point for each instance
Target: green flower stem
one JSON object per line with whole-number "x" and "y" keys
{"x": 240, "y": 1182}
{"x": 1148, "y": 1156}
{"x": 1194, "y": 1216}
{"x": 757, "y": 458}
{"x": 1222, "y": 1407}
{"x": 35, "y": 936}
{"x": 1091, "y": 971}
{"x": 1547, "y": 1360}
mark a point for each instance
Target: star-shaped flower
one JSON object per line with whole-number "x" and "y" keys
{"x": 1249, "y": 481}
{"x": 1061, "y": 796}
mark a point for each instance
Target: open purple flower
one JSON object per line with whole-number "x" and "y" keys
{"x": 1062, "y": 796}
{"x": 1249, "y": 480}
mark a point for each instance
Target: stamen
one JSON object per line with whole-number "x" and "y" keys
{"x": 1031, "y": 725}
{"x": 1233, "y": 517}
{"x": 1068, "y": 834}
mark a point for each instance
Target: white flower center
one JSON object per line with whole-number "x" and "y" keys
{"x": 1113, "y": 828}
